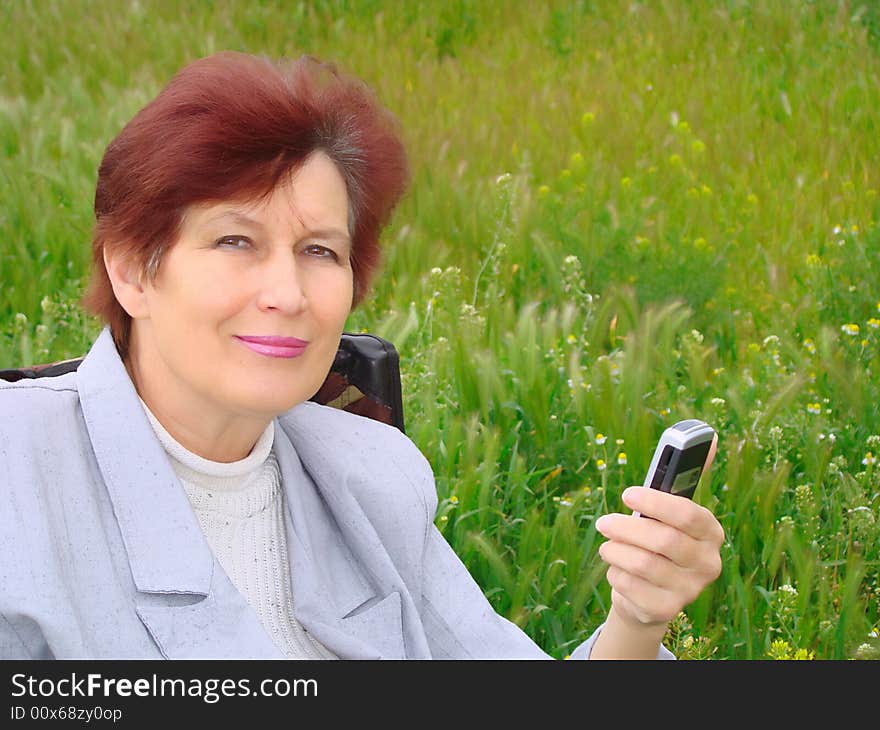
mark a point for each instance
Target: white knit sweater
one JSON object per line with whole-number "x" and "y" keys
{"x": 239, "y": 506}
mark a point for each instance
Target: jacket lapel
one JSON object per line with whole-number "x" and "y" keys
{"x": 185, "y": 599}
{"x": 341, "y": 593}
{"x": 220, "y": 625}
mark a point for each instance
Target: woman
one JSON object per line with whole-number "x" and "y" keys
{"x": 178, "y": 495}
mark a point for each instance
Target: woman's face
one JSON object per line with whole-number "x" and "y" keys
{"x": 248, "y": 306}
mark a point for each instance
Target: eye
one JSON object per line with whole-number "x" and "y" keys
{"x": 234, "y": 242}
{"x": 322, "y": 252}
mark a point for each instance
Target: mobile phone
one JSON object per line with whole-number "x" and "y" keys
{"x": 685, "y": 450}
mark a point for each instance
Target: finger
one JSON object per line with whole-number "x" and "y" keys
{"x": 651, "y": 603}
{"x": 711, "y": 456}
{"x": 679, "y": 512}
{"x": 628, "y": 608}
{"x": 646, "y": 564}
{"x": 657, "y": 537}
{"x": 686, "y": 583}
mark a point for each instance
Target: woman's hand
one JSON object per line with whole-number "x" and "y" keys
{"x": 658, "y": 566}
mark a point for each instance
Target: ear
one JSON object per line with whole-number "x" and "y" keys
{"x": 127, "y": 282}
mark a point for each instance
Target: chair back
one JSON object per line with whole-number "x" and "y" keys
{"x": 364, "y": 378}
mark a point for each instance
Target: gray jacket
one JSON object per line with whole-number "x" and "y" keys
{"x": 101, "y": 555}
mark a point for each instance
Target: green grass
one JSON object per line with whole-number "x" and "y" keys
{"x": 621, "y": 215}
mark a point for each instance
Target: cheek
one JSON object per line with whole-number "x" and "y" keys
{"x": 332, "y": 300}
{"x": 211, "y": 297}
{"x": 198, "y": 316}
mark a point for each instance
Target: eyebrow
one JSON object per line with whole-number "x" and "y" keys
{"x": 245, "y": 220}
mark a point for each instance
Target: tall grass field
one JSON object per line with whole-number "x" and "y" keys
{"x": 622, "y": 214}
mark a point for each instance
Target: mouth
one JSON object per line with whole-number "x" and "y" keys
{"x": 273, "y": 346}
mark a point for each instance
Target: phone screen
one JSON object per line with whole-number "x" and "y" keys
{"x": 686, "y": 480}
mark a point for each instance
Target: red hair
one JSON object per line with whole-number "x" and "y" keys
{"x": 231, "y": 126}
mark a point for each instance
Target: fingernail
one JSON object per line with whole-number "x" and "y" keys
{"x": 602, "y": 521}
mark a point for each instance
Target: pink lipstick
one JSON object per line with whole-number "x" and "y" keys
{"x": 273, "y": 346}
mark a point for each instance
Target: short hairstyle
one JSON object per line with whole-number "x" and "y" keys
{"x": 232, "y": 126}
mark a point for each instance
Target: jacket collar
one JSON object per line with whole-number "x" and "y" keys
{"x": 336, "y": 597}
{"x": 167, "y": 550}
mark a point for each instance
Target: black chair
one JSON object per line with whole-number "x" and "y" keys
{"x": 364, "y": 378}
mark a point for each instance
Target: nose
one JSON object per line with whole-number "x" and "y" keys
{"x": 282, "y": 285}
